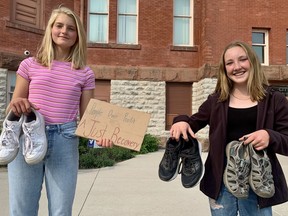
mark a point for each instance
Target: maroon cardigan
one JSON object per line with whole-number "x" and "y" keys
{"x": 272, "y": 116}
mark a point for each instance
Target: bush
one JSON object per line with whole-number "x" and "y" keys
{"x": 150, "y": 144}
{"x": 103, "y": 157}
{"x": 95, "y": 158}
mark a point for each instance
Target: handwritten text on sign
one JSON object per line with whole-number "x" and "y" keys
{"x": 123, "y": 126}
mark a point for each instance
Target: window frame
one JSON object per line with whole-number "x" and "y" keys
{"x": 265, "y": 45}
{"x": 136, "y": 27}
{"x": 89, "y": 13}
{"x": 191, "y": 25}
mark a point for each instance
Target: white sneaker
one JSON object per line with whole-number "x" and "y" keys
{"x": 9, "y": 139}
{"x": 35, "y": 145}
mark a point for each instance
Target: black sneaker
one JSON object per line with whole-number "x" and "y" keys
{"x": 169, "y": 165}
{"x": 191, "y": 162}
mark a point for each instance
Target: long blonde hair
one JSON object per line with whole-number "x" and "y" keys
{"x": 77, "y": 55}
{"x": 256, "y": 81}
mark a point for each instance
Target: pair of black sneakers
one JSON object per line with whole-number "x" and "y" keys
{"x": 182, "y": 157}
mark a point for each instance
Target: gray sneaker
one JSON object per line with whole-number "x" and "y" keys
{"x": 35, "y": 145}
{"x": 237, "y": 171}
{"x": 9, "y": 139}
{"x": 261, "y": 178}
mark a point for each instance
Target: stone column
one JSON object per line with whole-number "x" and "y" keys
{"x": 3, "y": 94}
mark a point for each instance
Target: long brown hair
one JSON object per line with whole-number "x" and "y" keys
{"x": 256, "y": 81}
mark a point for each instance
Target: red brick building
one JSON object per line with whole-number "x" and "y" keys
{"x": 152, "y": 55}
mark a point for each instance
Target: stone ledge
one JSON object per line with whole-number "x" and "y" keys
{"x": 10, "y": 61}
{"x": 145, "y": 73}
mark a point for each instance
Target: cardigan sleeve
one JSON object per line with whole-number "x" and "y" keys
{"x": 279, "y": 133}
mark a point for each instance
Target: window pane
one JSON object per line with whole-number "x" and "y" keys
{"x": 127, "y": 6}
{"x": 181, "y": 31}
{"x": 182, "y": 23}
{"x": 260, "y": 52}
{"x": 98, "y": 28}
{"x": 127, "y": 29}
{"x": 258, "y": 37}
{"x": 181, "y": 7}
{"x": 98, "y": 21}
{"x": 98, "y": 6}
{"x": 127, "y": 21}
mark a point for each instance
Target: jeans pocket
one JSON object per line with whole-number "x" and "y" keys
{"x": 69, "y": 133}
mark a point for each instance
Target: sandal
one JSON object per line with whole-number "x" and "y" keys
{"x": 236, "y": 174}
{"x": 261, "y": 178}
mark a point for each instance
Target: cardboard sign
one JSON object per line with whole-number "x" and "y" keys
{"x": 123, "y": 126}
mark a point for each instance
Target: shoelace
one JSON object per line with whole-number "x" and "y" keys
{"x": 190, "y": 164}
{"x": 9, "y": 137}
{"x": 28, "y": 146}
{"x": 170, "y": 155}
{"x": 243, "y": 169}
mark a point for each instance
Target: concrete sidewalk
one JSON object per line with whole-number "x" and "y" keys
{"x": 133, "y": 188}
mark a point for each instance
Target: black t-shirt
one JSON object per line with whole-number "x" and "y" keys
{"x": 241, "y": 121}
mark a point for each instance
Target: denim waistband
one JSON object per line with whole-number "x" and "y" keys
{"x": 61, "y": 126}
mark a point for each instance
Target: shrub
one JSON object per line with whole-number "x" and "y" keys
{"x": 95, "y": 158}
{"x": 103, "y": 157}
{"x": 150, "y": 144}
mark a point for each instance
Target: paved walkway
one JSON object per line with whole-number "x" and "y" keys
{"x": 133, "y": 188}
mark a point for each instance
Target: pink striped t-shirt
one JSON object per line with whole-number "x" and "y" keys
{"x": 56, "y": 91}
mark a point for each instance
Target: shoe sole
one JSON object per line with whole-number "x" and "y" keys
{"x": 35, "y": 160}
{"x": 175, "y": 174}
{"x": 7, "y": 160}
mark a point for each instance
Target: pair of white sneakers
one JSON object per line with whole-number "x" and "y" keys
{"x": 35, "y": 141}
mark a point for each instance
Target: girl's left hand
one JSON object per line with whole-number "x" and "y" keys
{"x": 105, "y": 143}
{"x": 259, "y": 139}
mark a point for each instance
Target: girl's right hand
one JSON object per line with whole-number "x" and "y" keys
{"x": 21, "y": 106}
{"x": 181, "y": 128}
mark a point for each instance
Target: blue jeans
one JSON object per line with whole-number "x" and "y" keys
{"x": 59, "y": 168}
{"x": 229, "y": 205}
